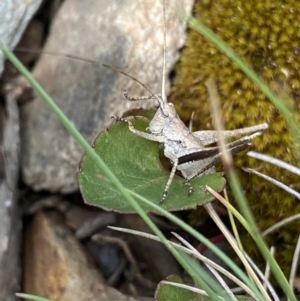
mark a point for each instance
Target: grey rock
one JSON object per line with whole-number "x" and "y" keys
{"x": 10, "y": 220}
{"x": 57, "y": 267}
{"x": 14, "y": 17}
{"x": 126, "y": 34}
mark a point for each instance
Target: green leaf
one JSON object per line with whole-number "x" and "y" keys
{"x": 135, "y": 161}
{"x": 166, "y": 292}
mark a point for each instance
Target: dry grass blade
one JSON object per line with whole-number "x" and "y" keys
{"x": 295, "y": 263}
{"x": 227, "y": 205}
{"x": 233, "y": 223}
{"x": 265, "y": 280}
{"x": 275, "y": 161}
{"x": 290, "y": 219}
{"x": 197, "y": 255}
{"x": 211, "y": 269}
{"x": 268, "y": 270}
{"x": 275, "y": 182}
{"x": 184, "y": 242}
{"x": 281, "y": 224}
{"x": 244, "y": 255}
{"x": 212, "y": 213}
{"x": 187, "y": 287}
{"x": 248, "y": 219}
{"x": 216, "y": 113}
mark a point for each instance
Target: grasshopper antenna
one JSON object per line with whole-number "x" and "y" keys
{"x": 94, "y": 62}
{"x": 55, "y": 53}
{"x": 135, "y": 79}
{"x": 163, "y": 84}
{"x": 163, "y": 81}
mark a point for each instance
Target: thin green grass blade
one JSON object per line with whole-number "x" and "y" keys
{"x": 32, "y": 297}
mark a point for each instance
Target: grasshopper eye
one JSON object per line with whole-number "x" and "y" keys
{"x": 165, "y": 113}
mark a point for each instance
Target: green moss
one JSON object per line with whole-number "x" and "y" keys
{"x": 266, "y": 34}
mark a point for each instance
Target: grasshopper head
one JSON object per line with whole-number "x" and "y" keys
{"x": 165, "y": 113}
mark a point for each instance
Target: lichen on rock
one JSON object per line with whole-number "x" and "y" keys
{"x": 266, "y": 34}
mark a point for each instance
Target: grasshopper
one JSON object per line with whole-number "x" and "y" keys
{"x": 187, "y": 150}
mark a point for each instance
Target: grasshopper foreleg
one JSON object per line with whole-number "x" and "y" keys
{"x": 144, "y": 135}
{"x": 151, "y": 96}
{"x": 172, "y": 174}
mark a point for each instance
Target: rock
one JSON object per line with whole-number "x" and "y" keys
{"x": 127, "y": 35}
{"x": 14, "y": 16}
{"x": 10, "y": 220}
{"x": 110, "y": 260}
{"x": 56, "y": 266}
